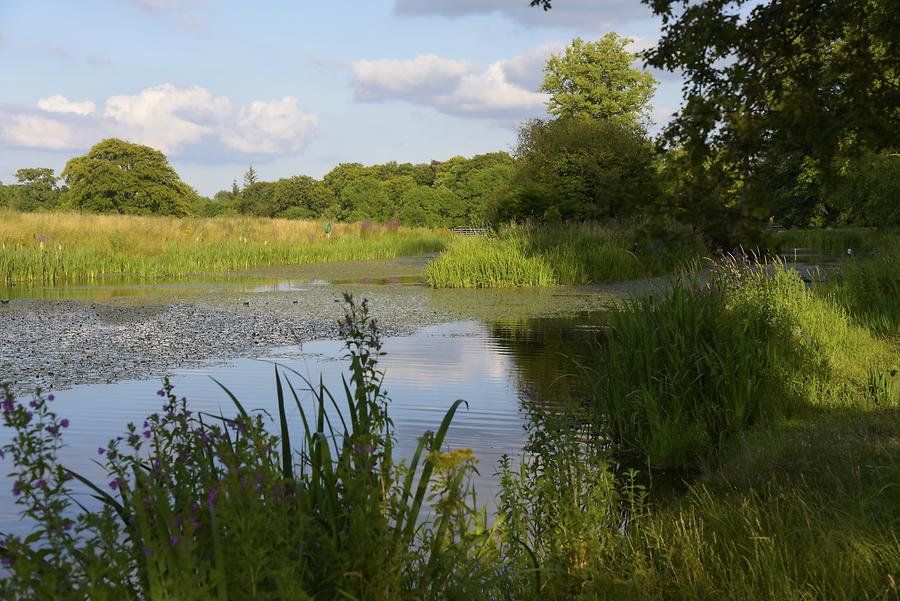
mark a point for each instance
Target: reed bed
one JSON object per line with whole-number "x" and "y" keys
{"x": 47, "y": 248}
{"x": 528, "y": 255}
{"x": 832, "y": 243}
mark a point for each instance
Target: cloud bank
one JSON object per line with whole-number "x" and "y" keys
{"x": 506, "y": 89}
{"x": 174, "y": 120}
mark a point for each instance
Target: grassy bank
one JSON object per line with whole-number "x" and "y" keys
{"x": 60, "y": 247}
{"x": 529, "y": 255}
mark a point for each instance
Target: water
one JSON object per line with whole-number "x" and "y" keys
{"x": 496, "y": 367}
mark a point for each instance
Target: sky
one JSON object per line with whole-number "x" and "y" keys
{"x": 293, "y": 88}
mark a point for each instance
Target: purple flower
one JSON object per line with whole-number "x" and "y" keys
{"x": 33, "y": 404}
{"x": 161, "y": 392}
{"x": 40, "y": 483}
{"x": 211, "y": 496}
{"x": 64, "y": 423}
{"x": 7, "y": 561}
{"x": 174, "y": 540}
{"x": 50, "y": 397}
{"x": 146, "y": 433}
{"x": 100, "y": 450}
{"x": 148, "y": 552}
{"x": 17, "y": 489}
{"x": 114, "y": 484}
{"x": 52, "y": 429}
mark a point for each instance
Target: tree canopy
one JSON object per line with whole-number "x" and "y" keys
{"x": 597, "y": 80}
{"x": 579, "y": 168}
{"x": 119, "y": 177}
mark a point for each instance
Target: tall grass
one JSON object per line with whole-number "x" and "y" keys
{"x": 870, "y": 289}
{"x": 679, "y": 373}
{"x": 530, "y": 255}
{"x": 60, "y": 247}
{"x": 831, "y": 243}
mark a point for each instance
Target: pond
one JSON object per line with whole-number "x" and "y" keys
{"x": 496, "y": 366}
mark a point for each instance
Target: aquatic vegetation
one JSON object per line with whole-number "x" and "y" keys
{"x": 530, "y": 255}
{"x": 47, "y": 248}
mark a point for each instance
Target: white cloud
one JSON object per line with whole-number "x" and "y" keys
{"x": 423, "y": 76}
{"x": 167, "y": 117}
{"x": 505, "y": 89}
{"x": 61, "y": 104}
{"x": 31, "y": 131}
{"x": 174, "y": 120}
{"x": 269, "y": 127}
{"x": 565, "y": 13}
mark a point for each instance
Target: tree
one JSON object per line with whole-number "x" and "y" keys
{"x": 579, "y": 168}
{"x": 250, "y": 177}
{"x": 38, "y": 189}
{"x": 119, "y": 177}
{"x": 596, "y": 79}
{"x": 776, "y": 91}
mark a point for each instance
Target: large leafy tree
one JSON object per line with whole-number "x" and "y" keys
{"x": 597, "y": 80}
{"x": 579, "y": 168}
{"x": 777, "y": 90}
{"x": 119, "y": 177}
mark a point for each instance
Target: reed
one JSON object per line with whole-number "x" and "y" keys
{"x": 529, "y": 255}
{"x": 47, "y": 248}
{"x": 677, "y": 374}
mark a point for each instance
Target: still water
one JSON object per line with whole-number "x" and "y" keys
{"x": 496, "y": 367}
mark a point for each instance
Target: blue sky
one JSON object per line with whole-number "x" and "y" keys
{"x": 291, "y": 87}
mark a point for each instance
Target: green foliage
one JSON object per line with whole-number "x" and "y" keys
{"x": 119, "y": 177}
{"x": 580, "y": 169}
{"x": 596, "y": 80}
{"x": 554, "y": 255}
{"x": 867, "y": 190}
{"x": 38, "y": 190}
{"x": 681, "y": 372}
{"x": 870, "y": 290}
{"x": 775, "y": 93}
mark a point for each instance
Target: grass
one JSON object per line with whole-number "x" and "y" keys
{"x": 532, "y": 256}
{"x": 48, "y": 248}
{"x": 870, "y": 290}
{"x": 680, "y": 372}
{"x": 832, "y": 243}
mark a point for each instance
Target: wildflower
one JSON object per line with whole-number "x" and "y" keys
{"x": 211, "y": 496}
{"x": 100, "y": 450}
{"x": 174, "y": 540}
{"x": 50, "y": 397}
{"x": 41, "y": 483}
{"x": 17, "y": 488}
{"x": 6, "y": 561}
{"x": 64, "y": 423}
{"x": 52, "y": 430}
{"x": 148, "y": 552}
{"x": 114, "y": 484}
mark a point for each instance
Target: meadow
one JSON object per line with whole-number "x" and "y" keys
{"x": 51, "y": 248}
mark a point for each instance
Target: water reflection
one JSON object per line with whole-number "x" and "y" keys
{"x": 504, "y": 370}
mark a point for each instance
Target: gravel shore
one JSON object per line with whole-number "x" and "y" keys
{"x": 59, "y": 344}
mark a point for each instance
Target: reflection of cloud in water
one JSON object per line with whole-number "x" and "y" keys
{"x": 433, "y": 359}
